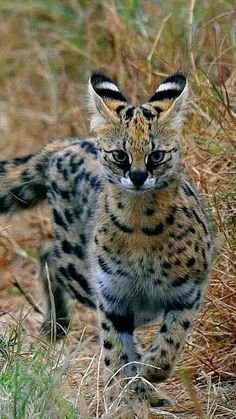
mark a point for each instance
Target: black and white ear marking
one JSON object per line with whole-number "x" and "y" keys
{"x": 106, "y": 88}
{"x": 168, "y": 92}
{"x": 105, "y": 101}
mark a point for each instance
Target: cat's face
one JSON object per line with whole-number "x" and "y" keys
{"x": 138, "y": 146}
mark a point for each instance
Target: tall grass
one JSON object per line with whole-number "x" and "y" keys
{"x": 31, "y": 379}
{"x": 48, "y": 49}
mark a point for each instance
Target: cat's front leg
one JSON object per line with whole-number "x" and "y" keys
{"x": 159, "y": 362}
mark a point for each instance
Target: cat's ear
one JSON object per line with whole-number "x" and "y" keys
{"x": 170, "y": 99}
{"x": 105, "y": 101}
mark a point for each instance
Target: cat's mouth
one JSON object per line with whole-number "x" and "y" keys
{"x": 128, "y": 184}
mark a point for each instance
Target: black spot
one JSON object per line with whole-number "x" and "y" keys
{"x": 83, "y": 238}
{"x": 67, "y": 247}
{"x": 180, "y": 250}
{"x": 75, "y": 163}
{"x": 185, "y": 324}
{"x": 65, "y": 174}
{"x": 96, "y": 240}
{"x": 163, "y": 328}
{"x": 78, "y": 250}
{"x": 64, "y": 194}
{"x": 55, "y": 187}
{"x": 125, "y": 358}
{"x": 190, "y": 262}
{"x": 120, "y": 205}
{"x": 169, "y": 340}
{"x": 166, "y": 367}
{"x": 76, "y": 276}
{"x": 205, "y": 265}
{"x": 106, "y": 249}
{"x": 177, "y": 262}
{"x": 58, "y": 219}
{"x": 158, "y": 229}
{"x": 104, "y": 266}
{"x": 120, "y": 226}
{"x": 196, "y": 247}
{"x": 6, "y": 203}
{"x": 166, "y": 265}
{"x": 22, "y": 160}
{"x": 163, "y": 353}
{"x": 187, "y": 212}
{"x": 150, "y": 211}
{"x": 180, "y": 280}
{"x": 107, "y": 361}
{"x": 200, "y": 221}
{"x": 95, "y": 183}
{"x": 88, "y": 147}
{"x": 2, "y": 169}
{"x": 107, "y": 344}
{"x": 165, "y": 274}
{"x": 129, "y": 113}
{"x": 122, "y": 323}
{"x": 68, "y": 216}
{"x": 170, "y": 219}
{"x": 157, "y": 282}
{"x": 59, "y": 164}
{"x": 188, "y": 242}
{"x": 183, "y": 234}
{"x": 63, "y": 271}
{"x": 120, "y": 108}
{"x": 83, "y": 300}
{"x": 188, "y": 191}
{"x": 147, "y": 113}
{"x": 177, "y": 345}
{"x": 105, "y": 326}
{"x": 122, "y": 272}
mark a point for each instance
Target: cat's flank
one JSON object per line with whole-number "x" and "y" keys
{"x": 131, "y": 237}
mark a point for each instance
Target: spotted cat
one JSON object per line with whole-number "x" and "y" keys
{"x": 131, "y": 237}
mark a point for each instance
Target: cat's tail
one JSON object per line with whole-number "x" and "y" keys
{"x": 22, "y": 181}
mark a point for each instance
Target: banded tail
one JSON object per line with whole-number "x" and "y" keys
{"x": 22, "y": 183}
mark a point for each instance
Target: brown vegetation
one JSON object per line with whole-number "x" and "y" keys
{"x": 48, "y": 50}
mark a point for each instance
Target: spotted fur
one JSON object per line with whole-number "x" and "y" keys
{"x": 131, "y": 237}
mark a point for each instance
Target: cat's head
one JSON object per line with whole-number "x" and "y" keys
{"x": 138, "y": 145}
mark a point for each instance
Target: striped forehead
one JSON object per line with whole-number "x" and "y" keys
{"x": 138, "y": 126}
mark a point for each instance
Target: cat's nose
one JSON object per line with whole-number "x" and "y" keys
{"x": 138, "y": 178}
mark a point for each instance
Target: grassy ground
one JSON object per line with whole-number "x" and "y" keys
{"x": 48, "y": 49}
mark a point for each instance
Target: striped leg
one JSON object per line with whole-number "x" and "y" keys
{"x": 165, "y": 350}
{"x": 118, "y": 350}
{"x": 57, "y": 314}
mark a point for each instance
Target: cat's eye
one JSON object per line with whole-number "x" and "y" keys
{"x": 120, "y": 156}
{"x": 156, "y": 157}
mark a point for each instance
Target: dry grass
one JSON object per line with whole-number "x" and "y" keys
{"x": 48, "y": 49}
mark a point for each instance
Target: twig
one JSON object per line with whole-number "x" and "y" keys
{"x": 192, "y": 5}
{"x": 28, "y": 297}
{"x": 149, "y": 57}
